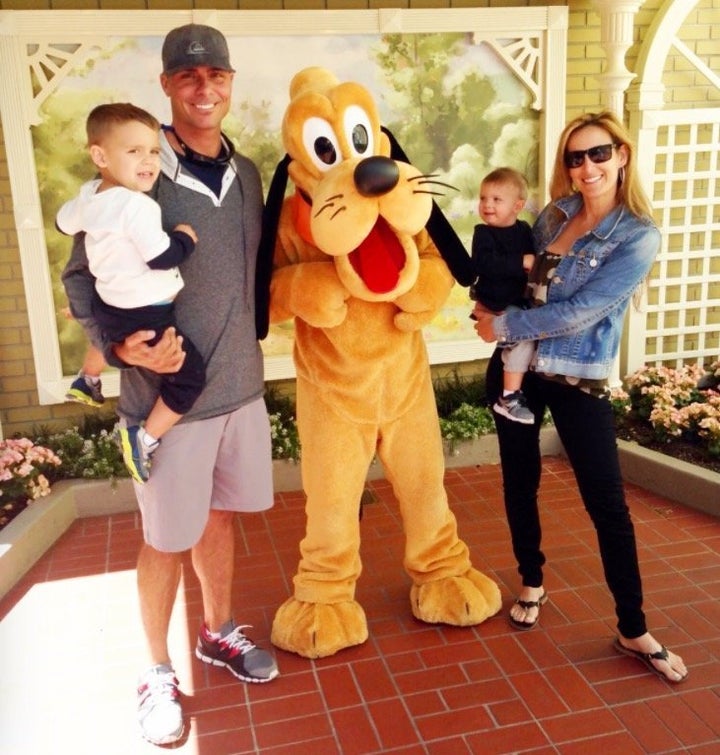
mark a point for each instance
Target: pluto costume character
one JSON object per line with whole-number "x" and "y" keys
{"x": 355, "y": 267}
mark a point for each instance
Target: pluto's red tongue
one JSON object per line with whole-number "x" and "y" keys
{"x": 379, "y": 259}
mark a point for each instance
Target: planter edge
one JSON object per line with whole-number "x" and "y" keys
{"x": 33, "y": 531}
{"x": 671, "y": 478}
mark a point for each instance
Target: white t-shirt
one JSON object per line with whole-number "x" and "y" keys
{"x": 124, "y": 231}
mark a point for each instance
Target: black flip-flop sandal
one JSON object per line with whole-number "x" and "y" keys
{"x": 648, "y": 658}
{"x": 526, "y": 604}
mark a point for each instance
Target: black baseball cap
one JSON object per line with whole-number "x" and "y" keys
{"x": 195, "y": 45}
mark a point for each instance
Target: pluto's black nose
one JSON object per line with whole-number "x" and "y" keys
{"x": 375, "y": 176}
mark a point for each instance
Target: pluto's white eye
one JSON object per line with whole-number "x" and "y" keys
{"x": 358, "y": 131}
{"x": 321, "y": 143}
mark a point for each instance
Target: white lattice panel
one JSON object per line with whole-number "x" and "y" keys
{"x": 683, "y": 298}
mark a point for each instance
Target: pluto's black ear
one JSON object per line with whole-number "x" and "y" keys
{"x": 266, "y": 249}
{"x": 441, "y": 232}
{"x": 396, "y": 151}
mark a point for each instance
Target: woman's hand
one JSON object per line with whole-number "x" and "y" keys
{"x": 484, "y": 323}
{"x": 166, "y": 356}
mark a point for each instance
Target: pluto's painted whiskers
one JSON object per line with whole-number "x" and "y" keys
{"x": 426, "y": 178}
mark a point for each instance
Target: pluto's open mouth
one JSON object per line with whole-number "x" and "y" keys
{"x": 379, "y": 259}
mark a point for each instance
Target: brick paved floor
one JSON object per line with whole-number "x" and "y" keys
{"x": 70, "y": 643}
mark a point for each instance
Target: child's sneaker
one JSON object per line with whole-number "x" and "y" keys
{"x": 137, "y": 455}
{"x": 84, "y": 391}
{"x": 514, "y": 406}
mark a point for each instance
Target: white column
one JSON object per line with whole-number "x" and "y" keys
{"x": 616, "y": 37}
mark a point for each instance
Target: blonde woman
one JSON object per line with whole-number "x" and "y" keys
{"x": 596, "y": 243}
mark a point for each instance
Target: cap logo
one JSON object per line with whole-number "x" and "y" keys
{"x": 196, "y": 48}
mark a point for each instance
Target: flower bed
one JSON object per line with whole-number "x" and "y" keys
{"x": 665, "y": 410}
{"x": 24, "y": 470}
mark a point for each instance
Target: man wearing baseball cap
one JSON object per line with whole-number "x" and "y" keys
{"x": 216, "y": 461}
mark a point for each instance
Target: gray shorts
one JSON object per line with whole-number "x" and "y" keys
{"x": 219, "y": 463}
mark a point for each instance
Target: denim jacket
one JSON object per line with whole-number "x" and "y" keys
{"x": 578, "y": 331}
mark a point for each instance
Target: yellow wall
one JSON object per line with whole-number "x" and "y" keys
{"x": 19, "y": 408}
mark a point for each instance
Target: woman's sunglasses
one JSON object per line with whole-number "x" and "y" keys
{"x": 600, "y": 154}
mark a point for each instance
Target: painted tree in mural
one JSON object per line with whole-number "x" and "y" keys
{"x": 62, "y": 165}
{"x": 454, "y": 117}
{"x": 460, "y": 112}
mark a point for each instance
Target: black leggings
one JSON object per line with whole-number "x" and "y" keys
{"x": 586, "y": 427}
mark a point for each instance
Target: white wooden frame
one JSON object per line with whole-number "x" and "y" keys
{"x": 531, "y": 41}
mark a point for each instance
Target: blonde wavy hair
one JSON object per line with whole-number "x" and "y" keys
{"x": 630, "y": 191}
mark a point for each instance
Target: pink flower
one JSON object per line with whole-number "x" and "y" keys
{"x": 21, "y": 468}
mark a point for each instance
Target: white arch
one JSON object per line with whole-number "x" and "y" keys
{"x": 646, "y": 92}
{"x": 678, "y": 158}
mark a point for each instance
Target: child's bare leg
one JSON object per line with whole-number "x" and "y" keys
{"x": 512, "y": 381}
{"x": 160, "y": 420}
{"x": 94, "y": 362}
{"x": 87, "y": 387}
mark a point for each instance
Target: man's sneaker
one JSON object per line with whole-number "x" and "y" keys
{"x": 159, "y": 712}
{"x": 84, "y": 391}
{"x": 238, "y": 654}
{"x": 514, "y": 407}
{"x": 136, "y": 455}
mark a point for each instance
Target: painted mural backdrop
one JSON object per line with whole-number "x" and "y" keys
{"x": 453, "y": 105}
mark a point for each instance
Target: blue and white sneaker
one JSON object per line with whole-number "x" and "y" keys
{"x": 137, "y": 454}
{"x": 85, "y": 391}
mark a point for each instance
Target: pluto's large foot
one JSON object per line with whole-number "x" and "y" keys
{"x": 461, "y": 601}
{"x": 315, "y": 630}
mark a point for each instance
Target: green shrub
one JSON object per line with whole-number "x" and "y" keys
{"x": 667, "y": 400}
{"x": 466, "y": 423}
{"x": 89, "y": 451}
{"x": 283, "y": 430}
{"x": 453, "y": 391}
